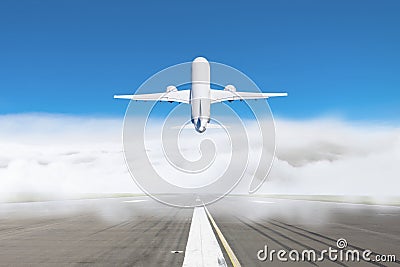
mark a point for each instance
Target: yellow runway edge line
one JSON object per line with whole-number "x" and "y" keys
{"x": 228, "y": 249}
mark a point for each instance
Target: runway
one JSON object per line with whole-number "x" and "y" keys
{"x": 139, "y": 231}
{"x": 298, "y": 224}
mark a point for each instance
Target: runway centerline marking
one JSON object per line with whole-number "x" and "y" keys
{"x": 234, "y": 260}
{"x": 202, "y": 248}
{"x": 134, "y": 201}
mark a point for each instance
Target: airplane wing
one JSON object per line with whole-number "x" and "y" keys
{"x": 181, "y": 96}
{"x": 225, "y": 95}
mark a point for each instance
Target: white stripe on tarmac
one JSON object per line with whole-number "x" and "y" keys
{"x": 134, "y": 201}
{"x": 262, "y": 201}
{"x": 202, "y": 248}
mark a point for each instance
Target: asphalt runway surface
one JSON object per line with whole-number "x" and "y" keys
{"x": 139, "y": 231}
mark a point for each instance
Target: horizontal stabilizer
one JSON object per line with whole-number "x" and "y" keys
{"x": 209, "y": 126}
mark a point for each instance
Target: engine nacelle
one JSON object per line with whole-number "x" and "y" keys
{"x": 230, "y": 88}
{"x": 171, "y": 88}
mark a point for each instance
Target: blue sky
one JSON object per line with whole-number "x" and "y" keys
{"x": 335, "y": 58}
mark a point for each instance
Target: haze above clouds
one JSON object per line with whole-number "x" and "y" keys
{"x": 63, "y": 156}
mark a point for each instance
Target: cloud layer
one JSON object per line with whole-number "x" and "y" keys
{"x": 63, "y": 156}
{"x": 333, "y": 157}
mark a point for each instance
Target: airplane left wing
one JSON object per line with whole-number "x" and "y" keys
{"x": 181, "y": 96}
{"x": 225, "y": 95}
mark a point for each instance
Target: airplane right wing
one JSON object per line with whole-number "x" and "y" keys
{"x": 225, "y": 95}
{"x": 181, "y": 96}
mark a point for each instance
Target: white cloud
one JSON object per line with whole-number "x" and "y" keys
{"x": 62, "y": 155}
{"x": 334, "y": 157}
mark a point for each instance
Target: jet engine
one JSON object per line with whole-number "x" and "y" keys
{"x": 230, "y": 88}
{"x": 171, "y": 88}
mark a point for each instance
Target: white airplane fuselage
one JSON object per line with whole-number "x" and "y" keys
{"x": 200, "y": 99}
{"x": 200, "y": 96}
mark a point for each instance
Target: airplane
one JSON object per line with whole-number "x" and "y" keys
{"x": 200, "y": 96}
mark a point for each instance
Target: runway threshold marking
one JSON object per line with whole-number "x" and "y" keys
{"x": 202, "y": 248}
{"x": 234, "y": 260}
